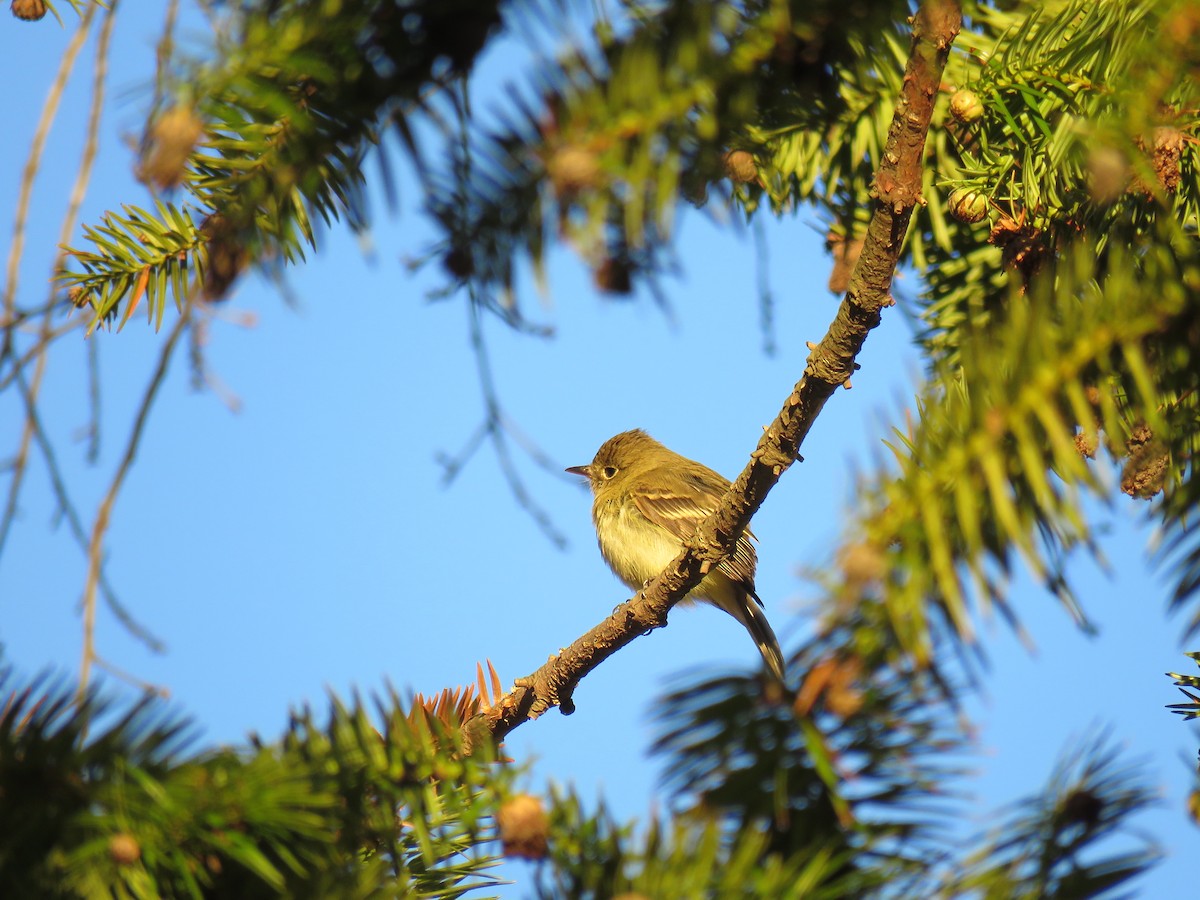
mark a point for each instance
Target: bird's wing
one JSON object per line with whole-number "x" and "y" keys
{"x": 679, "y": 504}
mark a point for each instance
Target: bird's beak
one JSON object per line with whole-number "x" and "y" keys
{"x": 585, "y": 471}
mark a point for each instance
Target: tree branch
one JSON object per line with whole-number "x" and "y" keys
{"x": 8, "y": 300}
{"x": 104, "y": 511}
{"x": 897, "y": 190}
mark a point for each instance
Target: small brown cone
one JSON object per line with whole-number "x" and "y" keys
{"x": 169, "y": 144}
{"x": 1146, "y": 466}
{"x": 1087, "y": 442}
{"x": 968, "y": 205}
{"x": 1107, "y": 174}
{"x": 523, "y": 826}
{"x": 740, "y": 166}
{"x": 861, "y": 563}
{"x": 1165, "y": 157}
{"x": 1022, "y": 246}
{"x": 459, "y": 263}
{"x": 1083, "y": 807}
{"x": 124, "y": 849}
{"x": 226, "y": 257}
{"x": 614, "y": 276}
{"x": 1168, "y": 151}
{"x": 573, "y": 169}
{"x": 29, "y": 10}
{"x": 966, "y": 106}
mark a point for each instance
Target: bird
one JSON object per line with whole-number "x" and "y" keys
{"x": 648, "y": 501}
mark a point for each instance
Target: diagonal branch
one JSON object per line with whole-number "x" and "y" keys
{"x": 897, "y": 190}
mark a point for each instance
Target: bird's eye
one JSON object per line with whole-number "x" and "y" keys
{"x": 608, "y": 472}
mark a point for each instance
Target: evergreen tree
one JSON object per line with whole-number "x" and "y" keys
{"x": 1035, "y": 163}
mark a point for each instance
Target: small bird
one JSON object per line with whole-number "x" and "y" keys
{"x": 649, "y": 500}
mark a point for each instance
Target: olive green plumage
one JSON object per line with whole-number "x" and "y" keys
{"x": 649, "y": 500}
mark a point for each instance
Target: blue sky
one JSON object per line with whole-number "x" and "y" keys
{"x": 307, "y": 542}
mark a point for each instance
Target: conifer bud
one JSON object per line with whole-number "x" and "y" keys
{"x": 1087, "y": 443}
{"x": 459, "y": 262}
{"x": 740, "y": 166}
{"x": 226, "y": 257}
{"x": 862, "y": 563}
{"x": 123, "y": 848}
{"x": 966, "y": 106}
{"x": 523, "y": 827}
{"x": 572, "y": 169}
{"x": 614, "y": 276}
{"x": 169, "y": 144}
{"x": 1083, "y": 807}
{"x": 968, "y": 205}
{"x": 29, "y": 10}
{"x": 1168, "y": 150}
{"x": 1107, "y": 174}
{"x": 1145, "y": 469}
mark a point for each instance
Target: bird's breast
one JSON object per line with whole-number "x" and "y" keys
{"x": 634, "y": 548}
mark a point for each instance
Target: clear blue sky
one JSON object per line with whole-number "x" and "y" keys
{"x": 307, "y": 542}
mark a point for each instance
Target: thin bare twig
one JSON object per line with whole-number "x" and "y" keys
{"x": 897, "y": 190}
{"x": 30, "y": 391}
{"x": 35, "y": 351}
{"x": 129, "y": 678}
{"x": 495, "y": 429}
{"x": 34, "y": 161}
{"x": 75, "y": 524}
{"x": 539, "y": 456}
{"x": 495, "y": 425}
{"x": 499, "y": 437}
{"x": 452, "y": 465}
{"x": 766, "y": 300}
{"x": 21, "y": 315}
{"x": 104, "y": 511}
{"x": 162, "y": 54}
{"x": 92, "y": 429}
{"x": 16, "y": 251}
{"x": 84, "y": 176}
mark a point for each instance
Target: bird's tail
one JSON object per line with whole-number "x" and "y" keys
{"x": 748, "y": 610}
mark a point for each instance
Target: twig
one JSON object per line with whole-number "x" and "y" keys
{"x": 29, "y": 176}
{"x": 766, "y": 300}
{"x": 539, "y": 456}
{"x": 29, "y": 392}
{"x": 93, "y": 428}
{"x": 897, "y": 190}
{"x": 59, "y": 486}
{"x": 34, "y": 161}
{"x": 495, "y": 423}
{"x": 452, "y": 465}
{"x": 162, "y": 53}
{"x": 84, "y": 176}
{"x": 146, "y": 686}
{"x": 18, "y": 363}
{"x": 100, "y": 526}
{"x": 21, "y": 315}
{"x": 78, "y": 191}
{"x": 495, "y": 430}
